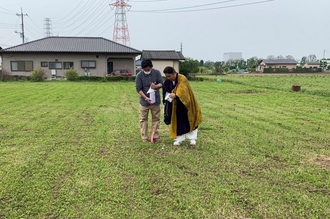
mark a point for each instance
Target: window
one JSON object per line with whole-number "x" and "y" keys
{"x": 55, "y": 65}
{"x": 21, "y": 65}
{"x": 67, "y": 65}
{"x": 44, "y": 64}
{"x": 88, "y": 64}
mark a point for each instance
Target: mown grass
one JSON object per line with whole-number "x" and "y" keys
{"x": 73, "y": 150}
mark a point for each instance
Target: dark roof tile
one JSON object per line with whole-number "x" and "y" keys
{"x": 162, "y": 55}
{"x": 279, "y": 61}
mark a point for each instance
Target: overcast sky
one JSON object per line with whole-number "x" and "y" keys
{"x": 206, "y": 29}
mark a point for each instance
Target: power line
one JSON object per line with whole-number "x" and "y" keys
{"x": 79, "y": 17}
{"x": 63, "y": 19}
{"x": 99, "y": 21}
{"x": 196, "y": 6}
{"x": 87, "y": 19}
{"x": 8, "y": 26}
{"x": 8, "y": 11}
{"x": 177, "y": 10}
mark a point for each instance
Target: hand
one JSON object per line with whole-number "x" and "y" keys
{"x": 149, "y": 100}
{"x": 153, "y": 86}
{"x": 172, "y": 96}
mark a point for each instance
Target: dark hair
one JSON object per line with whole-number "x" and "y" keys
{"x": 146, "y": 63}
{"x": 169, "y": 70}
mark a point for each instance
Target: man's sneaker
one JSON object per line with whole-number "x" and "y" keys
{"x": 192, "y": 142}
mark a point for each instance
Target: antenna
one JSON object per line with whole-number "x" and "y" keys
{"x": 22, "y": 24}
{"x": 120, "y": 32}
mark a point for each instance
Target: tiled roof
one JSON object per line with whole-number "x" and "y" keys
{"x": 162, "y": 55}
{"x": 72, "y": 44}
{"x": 279, "y": 61}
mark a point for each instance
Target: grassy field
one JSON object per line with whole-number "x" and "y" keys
{"x": 73, "y": 150}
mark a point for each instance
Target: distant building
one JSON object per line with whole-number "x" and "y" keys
{"x": 311, "y": 65}
{"x": 232, "y": 56}
{"x": 277, "y": 63}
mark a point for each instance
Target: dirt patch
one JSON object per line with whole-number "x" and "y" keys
{"x": 322, "y": 161}
{"x": 245, "y": 92}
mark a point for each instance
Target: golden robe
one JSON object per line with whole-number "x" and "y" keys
{"x": 184, "y": 92}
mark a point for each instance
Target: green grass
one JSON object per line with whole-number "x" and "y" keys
{"x": 73, "y": 150}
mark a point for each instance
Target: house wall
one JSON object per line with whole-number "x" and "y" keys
{"x": 161, "y": 64}
{"x": 311, "y": 66}
{"x": 119, "y": 62}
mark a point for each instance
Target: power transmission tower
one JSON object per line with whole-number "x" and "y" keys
{"x": 48, "y": 27}
{"x": 22, "y": 24}
{"x": 120, "y": 32}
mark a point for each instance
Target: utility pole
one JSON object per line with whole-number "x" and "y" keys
{"x": 120, "y": 33}
{"x": 48, "y": 27}
{"x": 22, "y": 24}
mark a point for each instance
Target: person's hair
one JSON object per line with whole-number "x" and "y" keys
{"x": 146, "y": 63}
{"x": 169, "y": 70}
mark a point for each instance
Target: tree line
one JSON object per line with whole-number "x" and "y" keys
{"x": 191, "y": 65}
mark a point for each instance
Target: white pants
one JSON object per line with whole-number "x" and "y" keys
{"x": 191, "y": 136}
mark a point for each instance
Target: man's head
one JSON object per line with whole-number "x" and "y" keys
{"x": 147, "y": 66}
{"x": 170, "y": 73}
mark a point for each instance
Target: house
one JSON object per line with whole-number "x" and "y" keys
{"x": 311, "y": 65}
{"x": 163, "y": 58}
{"x": 277, "y": 63}
{"x": 93, "y": 56}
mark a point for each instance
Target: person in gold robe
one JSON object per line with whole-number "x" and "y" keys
{"x": 185, "y": 112}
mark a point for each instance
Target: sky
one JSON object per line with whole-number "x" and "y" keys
{"x": 203, "y": 30}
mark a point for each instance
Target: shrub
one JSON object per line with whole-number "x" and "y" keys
{"x": 37, "y": 75}
{"x": 91, "y": 78}
{"x": 4, "y": 76}
{"x": 120, "y": 78}
{"x": 71, "y": 74}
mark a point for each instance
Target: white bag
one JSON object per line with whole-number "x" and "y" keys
{"x": 152, "y": 95}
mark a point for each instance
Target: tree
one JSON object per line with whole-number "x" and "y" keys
{"x": 252, "y": 63}
{"x": 218, "y": 70}
{"x": 209, "y": 65}
{"x": 201, "y": 63}
{"x": 241, "y": 64}
{"x": 289, "y": 57}
{"x": 219, "y": 64}
{"x": 280, "y": 57}
{"x": 271, "y": 57}
{"x": 303, "y": 61}
{"x": 189, "y": 66}
{"x": 312, "y": 58}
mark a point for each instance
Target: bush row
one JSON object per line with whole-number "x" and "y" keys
{"x": 296, "y": 70}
